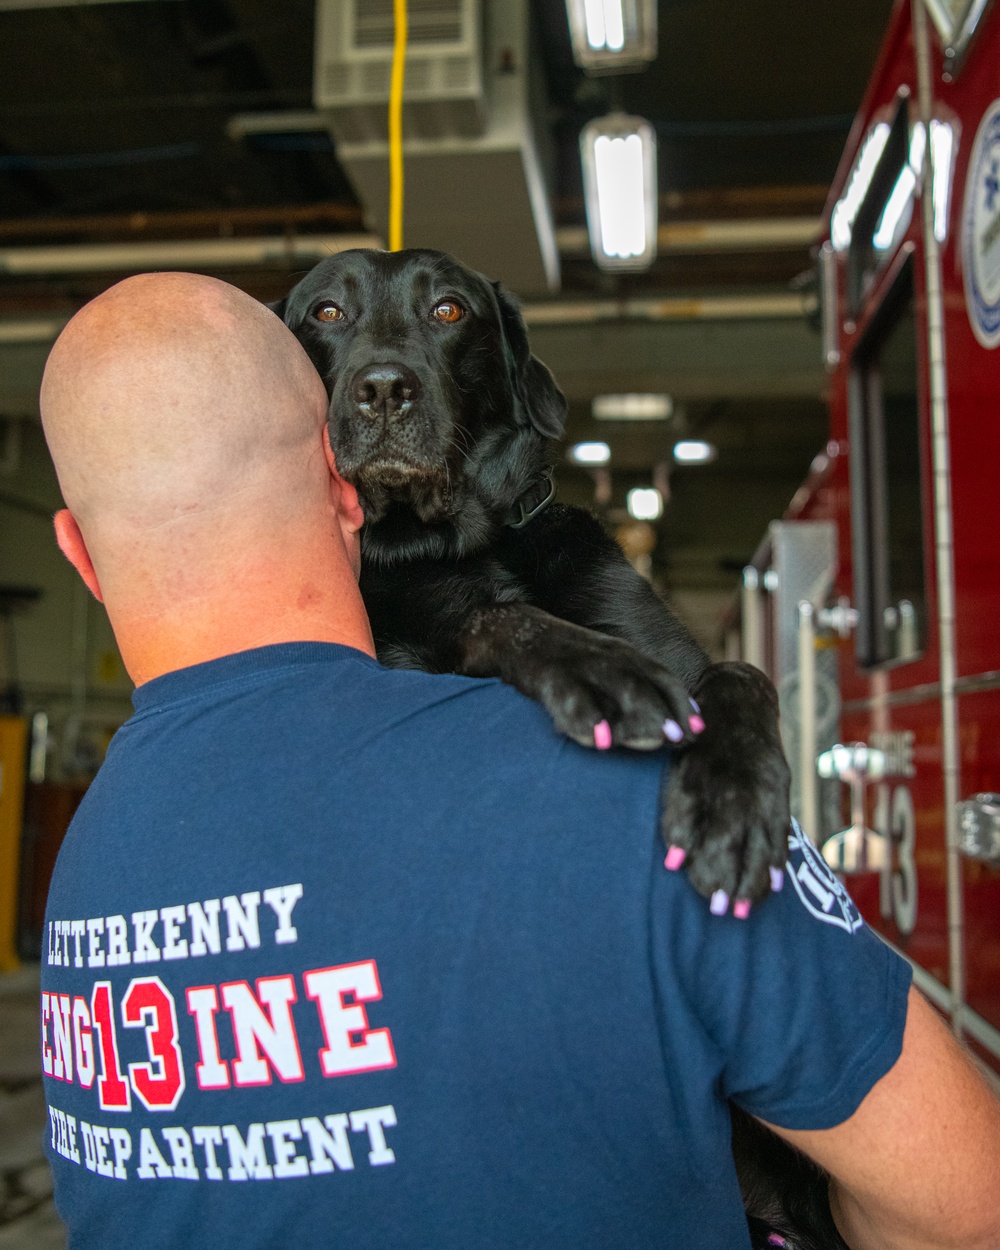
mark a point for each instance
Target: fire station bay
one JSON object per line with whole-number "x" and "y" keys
{"x": 759, "y": 258}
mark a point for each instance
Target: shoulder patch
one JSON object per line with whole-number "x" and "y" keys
{"x": 819, "y": 891}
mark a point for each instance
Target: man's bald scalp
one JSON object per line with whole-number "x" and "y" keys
{"x": 175, "y": 393}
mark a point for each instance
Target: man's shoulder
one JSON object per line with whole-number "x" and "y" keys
{"x": 342, "y": 703}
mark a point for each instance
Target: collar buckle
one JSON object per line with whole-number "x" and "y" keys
{"x": 522, "y": 514}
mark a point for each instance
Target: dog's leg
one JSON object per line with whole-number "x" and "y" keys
{"x": 726, "y": 805}
{"x": 474, "y": 619}
{"x": 726, "y": 811}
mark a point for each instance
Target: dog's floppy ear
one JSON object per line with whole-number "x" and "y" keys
{"x": 535, "y": 387}
{"x": 276, "y": 306}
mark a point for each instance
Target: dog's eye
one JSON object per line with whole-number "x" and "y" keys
{"x": 328, "y": 312}
{"x": 448, "y": 310}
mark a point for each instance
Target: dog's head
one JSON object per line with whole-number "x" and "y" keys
{"x": 439, "y": 414}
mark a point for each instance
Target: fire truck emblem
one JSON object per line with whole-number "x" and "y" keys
{"x": 981, "y": 231}
{"x": 819, "y": 891}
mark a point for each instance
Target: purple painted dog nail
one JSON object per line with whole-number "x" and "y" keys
{"x": 694, "y": 705}
{"x": 775, "y": 1239}
{"x": 602, "y": 735}
{"x": 696, "y": 723}
{"x": 672, "y": 730}
{"x": 741, "y": 908}
{"x": 675, "y": 857}
{"x": 777, "y": 879}
{"x": 719, "y": 903}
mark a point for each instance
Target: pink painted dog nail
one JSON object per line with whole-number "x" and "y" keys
{"x": 775, "y": 1239}
{"x": 777, "y": 879}
{"x": 741, "y": 908}
{"x": 602, "y": 735}
{"x": 696, "y": 723}
{"x": 672, "y": 730}
{"x": 675, "y": 857}
{"x": 719, "y": 903}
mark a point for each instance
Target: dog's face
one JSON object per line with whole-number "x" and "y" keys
{"x": 439, "y": 414}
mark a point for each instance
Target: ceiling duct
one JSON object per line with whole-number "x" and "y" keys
{"x": 443, "y": 95}
{"x": 475, "y": 162}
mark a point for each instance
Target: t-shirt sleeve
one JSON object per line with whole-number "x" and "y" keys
{"x": 803, "y": 1002}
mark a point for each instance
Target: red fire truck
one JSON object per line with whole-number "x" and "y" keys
{"x": 875, "y": 602}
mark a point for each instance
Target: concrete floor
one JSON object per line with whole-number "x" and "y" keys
{"x": 28, "y": 1220}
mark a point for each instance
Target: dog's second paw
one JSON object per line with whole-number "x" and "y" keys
{"x": 601, "y": 693}
{"x": 726, "y": 812}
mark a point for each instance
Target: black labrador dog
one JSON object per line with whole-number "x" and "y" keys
{"x": 445, "y": 422}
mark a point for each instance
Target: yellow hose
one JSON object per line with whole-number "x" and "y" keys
{"x": 396, "y": 129}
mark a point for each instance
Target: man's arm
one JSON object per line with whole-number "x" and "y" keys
{"x": 917, "y": 1166}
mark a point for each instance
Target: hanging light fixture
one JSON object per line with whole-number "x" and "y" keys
{"x": 612, "y": 35}
{"x": 644, "y": 503}
{"x": 619, "y": 185}
{"x": 590, "y": 453}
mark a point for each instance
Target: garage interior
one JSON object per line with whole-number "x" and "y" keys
{"x": 200, "y": 134}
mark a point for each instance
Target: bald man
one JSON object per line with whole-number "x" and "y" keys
{"x": 340, "y": 955}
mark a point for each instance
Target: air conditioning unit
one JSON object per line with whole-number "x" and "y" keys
{"x": 443, "y": 93}
{"x": 477, "y": 151}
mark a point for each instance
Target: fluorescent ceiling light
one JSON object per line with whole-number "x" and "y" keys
{"x": 590, "y": 453}
{"x": 645, "y": 503}
{"x": 846, "y": 208}
{"x": 693, "y": 451}
{"x": 619, "y": 181}
{"x": 632, "y": 407}
{"x": 942, "y": 148}
{"x": 612, "y": 35}
{"x": 605, "y": 24}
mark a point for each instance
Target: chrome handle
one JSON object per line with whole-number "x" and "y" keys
{"x": 979, "y": 827}
{"x": 857, "y": 848}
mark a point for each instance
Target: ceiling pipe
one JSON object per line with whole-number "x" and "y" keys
{"x": 750, "y": 235}
{"x": 202, "y": 223}
{"x": 295, "y": 249}
{"x": 777, "y": 305}
{"x": 37, "y": 330}
{"x": 262, "y": 252}
{"x": 11, "y": 6}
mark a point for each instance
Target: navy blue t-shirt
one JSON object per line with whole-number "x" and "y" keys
{"x": 338, "y": 955}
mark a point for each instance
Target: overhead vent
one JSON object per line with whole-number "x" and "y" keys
{"x": 443, "y": 94}
{"x": 428, "y": 21}
{"x": 476, "y": 177}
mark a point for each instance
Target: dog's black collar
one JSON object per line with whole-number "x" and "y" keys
{"x": 534, "y": 500}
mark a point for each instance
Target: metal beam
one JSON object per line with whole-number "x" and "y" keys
{"x": 267, "y": 251}
{"x": 696, "y": 359}
{"x": 755, "y": 234}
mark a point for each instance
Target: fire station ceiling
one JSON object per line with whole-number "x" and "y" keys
{"x": 117, "y": 127}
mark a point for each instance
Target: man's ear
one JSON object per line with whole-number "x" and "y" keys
{"x": 348, "y": 504}
{"x": 73, "y": 547}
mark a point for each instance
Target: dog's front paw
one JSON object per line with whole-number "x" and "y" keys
{"x": 603, "y": 693}
{"x": 726, "y": 807}
{"x": 599, "y": 691}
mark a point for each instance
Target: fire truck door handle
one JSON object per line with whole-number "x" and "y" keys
{"x": 857, "y": 848}
{"x": 979, "y": 827}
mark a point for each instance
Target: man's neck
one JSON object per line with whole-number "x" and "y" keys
{"x": 283, "y": 603}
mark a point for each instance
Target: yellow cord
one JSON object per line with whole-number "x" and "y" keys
{"x": 396, "y": 129}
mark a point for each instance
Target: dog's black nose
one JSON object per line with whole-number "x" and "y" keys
{"x": 385, "y": 390}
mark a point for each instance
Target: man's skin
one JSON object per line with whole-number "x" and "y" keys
{"x": 205, "y": 511}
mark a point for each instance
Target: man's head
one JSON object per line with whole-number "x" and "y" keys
{"x": 187, "y": 429}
